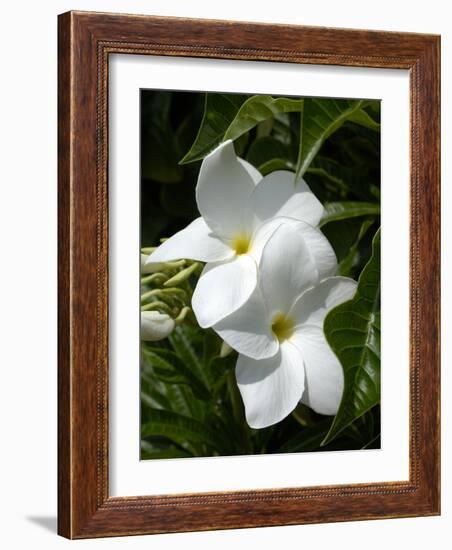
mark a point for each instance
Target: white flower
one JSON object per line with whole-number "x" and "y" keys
{"x": 155, "y": 325}
{"x": 239, "y": 212}
{"x": 278, "y": 332}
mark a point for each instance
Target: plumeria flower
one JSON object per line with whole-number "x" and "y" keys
{"x": 283, "y": 354}
{"x": 240, "y": 210}
{"x": 155, "y": 325}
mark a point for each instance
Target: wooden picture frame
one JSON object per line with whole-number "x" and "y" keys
{"x": 86, "y": 40}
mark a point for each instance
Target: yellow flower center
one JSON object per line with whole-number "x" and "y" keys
{"x": 241, "y": 244}
{"x": 282, "y": 327}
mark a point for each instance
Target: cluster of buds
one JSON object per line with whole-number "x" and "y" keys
{"x": 165, "y": 295}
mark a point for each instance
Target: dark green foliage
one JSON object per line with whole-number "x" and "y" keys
{"x": 353, "y": 332}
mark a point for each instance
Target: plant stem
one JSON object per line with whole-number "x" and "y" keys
{"x": 148, "y": 250}
{"x": 155, "y": 277}
{"x": 300, "y": 146}
{"x": 157, "y": 305}
{"x": 302, "y": 415}
{"x": 181, "y": 276}
{"x": 238, "y": 411}
{"x": 182, "y": 314}
{"x": 163, "y": 292}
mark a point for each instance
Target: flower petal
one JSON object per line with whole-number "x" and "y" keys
{"x": 286, "y": 269}
{"x": 313, "y": 305}
{"x": 223, "y": 288}
{"x": 262, "y": 235}
{"x": 278, "y": 195}
{"x": 195, "y": 242}
{"x": 320, "y": 249}
{"x": 222, "y": 192}
{"x": 270, "y": 388}
{"x": 248, "y": 330}
{"x": 155, "y": 325}
{"x": 324, "y": 376}
{"x": 256, "y": 176}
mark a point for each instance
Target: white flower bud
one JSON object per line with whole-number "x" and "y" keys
{"x": 153, "y": 267}
{"x": 225, "y": 350}
{"x": 155, "y": 325}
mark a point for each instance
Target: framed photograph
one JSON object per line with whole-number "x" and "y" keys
{"x": 248, "y": 275}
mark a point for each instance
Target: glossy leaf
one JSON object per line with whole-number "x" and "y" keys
{"x": 181, "y": 342}
{"x": 168, "y": 367}
{"x": 344, "y": 179}
{"x": 364, "y": 119}
{"x": 150, "y": 451}
{"x": 152, "y": 390}
{"x": 221, "y": 123}
{"x": 275, "y": 164}
{"x": 259, "y": 108}
{"x": 308, "y": 439}
{"x": 160, "y": 395}
{"x": 353, "y": 332}
{"x": 335, "y": 211}
{"x": 179, "y": 428}
{"x": 321, "y": 118}
{"x": 219, "y": 112}
{"x": 265, "y": 149}
{"x": 374, "y": 443}
{"x": 348, "y": 262}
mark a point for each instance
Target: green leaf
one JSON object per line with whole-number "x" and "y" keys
{"x": 168, "y": 367}
{"x": 265, "y": 149}
{"x": 211, "y": 349}
{"x": 148, "y": 451}
{"x": 353, "y": 332}
{"x": 364, "y": 119}
{"x": 343, "y": 179}
{"x": 162, "y": 395}
{"x": 362, "y": 429}
{"x": 152, "y": 390}
{"x": 158, "y": 394}
{"x": 342, "y": 235}
{"x": 257, "y": 109}
{"x": 321, "y": 118}
{"x": 307, "y": 439}
{"x": 329, "y": 169}
{"x": 348, "y": 262}
{"x": 275, "y": 164}
{"x": 333, "y": 172}
{"x": 374, "y": 443}
{"x": 154, "y": 399}
{"x": 268, "y": 154}
{"x": 335, "y": 211}
{"x": 219, "y": 111}
{"x": 221, "y": 123}
{"x": 181, "y": 342}
{"x": 180, "y": 429}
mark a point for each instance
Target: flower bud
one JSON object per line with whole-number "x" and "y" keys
{"x": 225, "y": 350}
{"x": 155, "y": 325}
{"x": 151, "y": 267}
{"x": 182, "y": 276}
